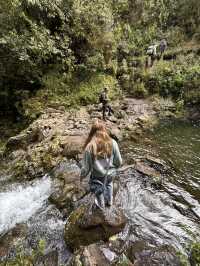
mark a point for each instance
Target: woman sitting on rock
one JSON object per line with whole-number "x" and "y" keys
{"x": 101, "y": 158}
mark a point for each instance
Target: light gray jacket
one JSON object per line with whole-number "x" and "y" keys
{"x": 101, "y": 167}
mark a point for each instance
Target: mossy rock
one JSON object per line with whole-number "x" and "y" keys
{"x": 195, "y": 254}
{"x": 87, "y": 225}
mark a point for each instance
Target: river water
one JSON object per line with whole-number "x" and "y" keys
{"x": 169, "y": 215}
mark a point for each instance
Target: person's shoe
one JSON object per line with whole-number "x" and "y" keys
{"x": 100, "y": 206}
{"x": 108, "y": 204}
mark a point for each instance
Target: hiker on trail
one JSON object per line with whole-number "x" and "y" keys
{"x": 152, "y": 54}
{"x": 163, "y": 46}
{"x": 101, "y": 159}
{"x": 103, "y": 98}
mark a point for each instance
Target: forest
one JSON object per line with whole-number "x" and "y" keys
{"x": 64, "y": 52}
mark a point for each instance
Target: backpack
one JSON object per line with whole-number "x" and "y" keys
{"x": 150, "y": 50}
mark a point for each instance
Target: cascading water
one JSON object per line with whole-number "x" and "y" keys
{"x": 28, "y": 204}
{"x": 20, "y": 204}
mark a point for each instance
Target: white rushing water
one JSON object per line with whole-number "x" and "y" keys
{"x": 19, "y": 204}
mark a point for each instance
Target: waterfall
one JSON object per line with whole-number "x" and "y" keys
{"x": 19, "y": 204}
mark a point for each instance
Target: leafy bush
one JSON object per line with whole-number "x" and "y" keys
{"x": 29, "y": 46}
{"x": 178, "y": 81}
{"x": 88, "y": 92}
{"x": 62, "y": 90}
{"x": 139, "y": 90}
{"x": 80, "y": 39}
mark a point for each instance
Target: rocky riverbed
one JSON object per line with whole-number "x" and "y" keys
{"x": 42, "y": 197}
{"x": 58, "y": 135}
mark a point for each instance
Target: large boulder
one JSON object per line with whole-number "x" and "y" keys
{"x": 143, "y": 168}
{"x": 152, "y": 167}
{"x": 22, "y": 140}
{"x": 99, "y": 254}
{"x": 87, "y": 225}
{"x": 68, "y": 189}
{"x": 72, "y": 145}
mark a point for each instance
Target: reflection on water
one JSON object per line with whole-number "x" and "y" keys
{"x": 171, "y": 215}
{"x": 179, "y": 145}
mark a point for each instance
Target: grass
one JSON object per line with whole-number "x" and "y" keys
{"x": 70, "y": 93}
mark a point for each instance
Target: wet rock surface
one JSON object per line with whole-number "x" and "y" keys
{"x": 163, "y": 255}
{"x": 151, "y": 216}
{"x": 87, "y": 225}
{"x": 89, "y": 256}
{"x": 11, "y": 239}
{"x": 49, "y": 259}
{"x": 194, "y": 113}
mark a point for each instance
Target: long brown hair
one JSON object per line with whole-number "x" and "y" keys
{"x": 99, "y": 142}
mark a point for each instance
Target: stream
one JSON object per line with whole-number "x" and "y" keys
{"x": 169, "y": 215}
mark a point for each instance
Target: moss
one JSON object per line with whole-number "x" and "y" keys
{"x": 195, "y": 254}
{"x": 18, "y": 169}
{"x": 123, "y": 261}
{"x": 21, "y": 259}
{"x": 71, "y": 225}
{"x": 183, "y": 259}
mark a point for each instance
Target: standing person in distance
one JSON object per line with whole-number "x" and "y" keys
{"x": 152, "y": 54}
{"x": 105, "y": 104}
{"x": 163, "y": 46}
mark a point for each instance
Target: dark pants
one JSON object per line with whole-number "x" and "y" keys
{"x": 153, "y": 58}
{"x": 106, "y": 107}
{"x": 162, "y": 50}
{"x": 103, "y": 192}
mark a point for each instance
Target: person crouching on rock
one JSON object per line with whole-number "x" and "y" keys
{"x": 101, "y": 159}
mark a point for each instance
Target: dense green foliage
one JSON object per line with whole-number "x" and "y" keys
{"x": 61, "y": 91}
{"x": 74, "y": 41}
{"x": 167, "y": 78}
